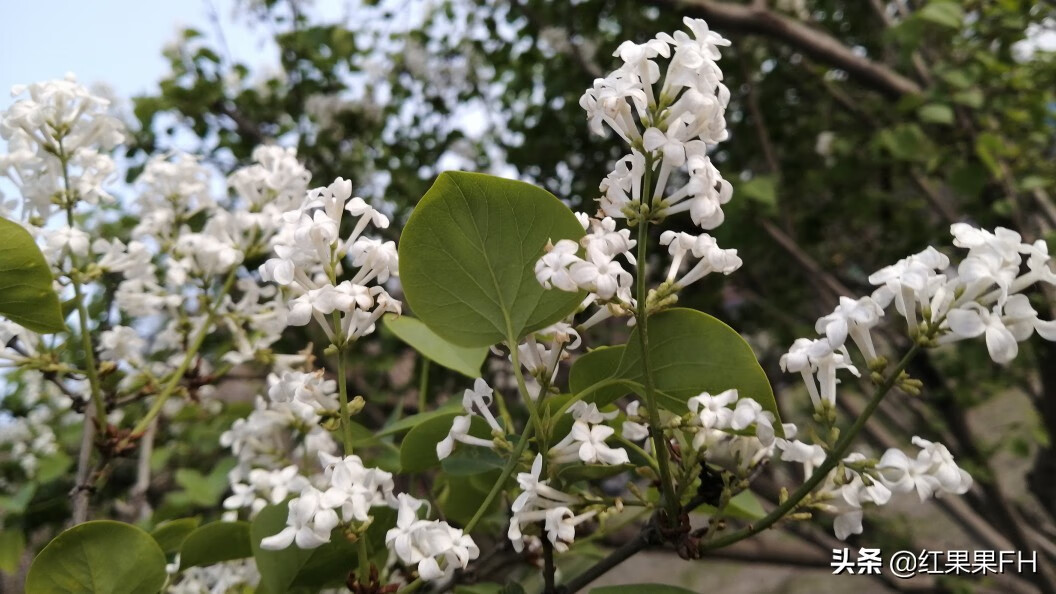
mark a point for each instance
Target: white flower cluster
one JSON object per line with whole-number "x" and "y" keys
{"x": 859, "y": 480}
{"x": 739, "y": 437}
{"x": 982, "y": 297}
{"x": 283, "y": 430}
{"x": 309, "y": 251}
{"x": 220, "y": 578}
{"x": 668, "y": 129}
{"x": 585, "y": 442}
{"x": 56, "y": 121}
{"x": 539, "y": 502}
{"x": 350, "y": 491}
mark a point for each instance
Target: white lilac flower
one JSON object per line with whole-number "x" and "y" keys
{"x": 121, "y": 343}
{"x": 818, "y": 356}
{"x": 309, "y": 523}
{"x": 552, "y": 269}
{"x": 855, "y": 318}
{"x": 932, "y": 473}
{"x": 586, "y": 443}
{"x": 634, "y": 430}
{"x": 713, "y": 412}
{"x": 1003, "y": 327}
{"x": 354, "y": 488}
{"x": 428, "y": 543}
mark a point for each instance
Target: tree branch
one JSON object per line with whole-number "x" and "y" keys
{"x": 813, "y": 42}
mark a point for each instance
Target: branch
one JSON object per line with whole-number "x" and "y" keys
{"x": 812, "y": 42}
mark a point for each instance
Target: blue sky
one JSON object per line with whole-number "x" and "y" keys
{"x": 114, "y": 41}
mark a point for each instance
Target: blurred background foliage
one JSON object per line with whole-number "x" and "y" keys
{"x": 859, "y": 130}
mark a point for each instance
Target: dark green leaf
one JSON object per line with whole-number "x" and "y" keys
{"x": 216, "y": 542}
{"x": 469, "y": 460}
{"x": 408, "y": 423}
{"x": 468, "y": 254}
{"x": 277, "y": 569}
{"x": 26, "y": 295}
{"x": 465, "y": 360}
{"x": 571, "y": 473}
{"x": 103, "y": 557}
{"x": 418, "y": 449}
{"x": 171, "y": 534}
{"x": 690, "y": 352}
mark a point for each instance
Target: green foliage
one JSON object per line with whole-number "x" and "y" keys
{"x": 299, "y": 570}
{"x": 465, "y": 360}
{"x": 216, "y": 542}
{"x": 26, "y": 294}
{"x": 418, "y": 449}
{"x": 12, "y": 544}
{"x": 467, "y": 258}
{"x": 691, "y": 352}
{"x": 102, "y": 557}
{"x": 171, "y": 534}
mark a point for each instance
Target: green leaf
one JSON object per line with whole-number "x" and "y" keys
{"x": 690, "y": 352}
{"x": 418, "y": 449}
{"x": 102, "y": 556}
{"x": 26, "y": 295}
{"x": 53, "y": 467}
{"x": 465, "y": 360}
{"x": 458, "y": 497}
{"x": 1033, "y": 182}
{"x": 12, "y": 545}
{"x": 572, "y": 473}
{"x": 408, "y": 423}
{"x": 216, "y": 542}
{"x": 468, "y": 254}
{"x": 742, "y": 506}
{"x": 469, "y": 460}
{"x": 761, "y": 188}
{"x": 641, "y": 589}
{"x": 171, "y": 534}
{"x": 936, "y": 113}
{"x": 16, "y": 503}
{"x": 942, "y": 12}
{"x": 593, "y": 367}
{"x": 205, "y": 490}
{"x": 989, "y": 148}
{"x": 294, "y": 569}
{"x": 971, "y": 97}
{"x": 277, "y": 569}
{"x": 906, "y": 142}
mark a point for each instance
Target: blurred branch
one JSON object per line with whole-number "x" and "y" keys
{"x": 807, "y": 39}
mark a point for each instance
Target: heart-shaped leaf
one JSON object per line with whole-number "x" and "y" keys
{"x": 690, "y": 352}
{"x": 98, "y": 557}
{"x": 468, "y": 254}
